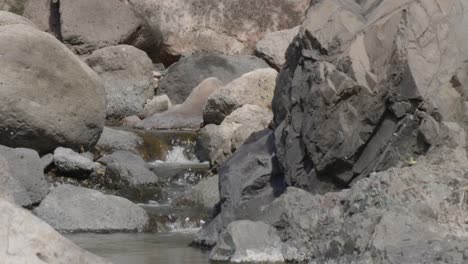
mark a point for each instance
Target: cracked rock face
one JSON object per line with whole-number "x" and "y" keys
{"x": 227, "y": 27}
{"x": 363, "y": 83}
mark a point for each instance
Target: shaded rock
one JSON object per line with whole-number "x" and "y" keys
{"x": 190, "y": 26}
{"x": 47, "y": 100}
{"x": 187, "y": 115}
{"x": 72, "y": 163}
{"x": 273, "y": 46}
{"x": 204, "y": 194}
{"x": 256, "y": 88}
{"x": 156, "y": 105}
{"x": 26, "y": 239}
{"x": 217, "y": 143}
{"x": 130, "y": 121}
{"x": 75, "y": 209}
{"x": 248, "y": 180}
{"x": 349, "y": 101}
{"x": 247, "y": 241}
{"x": 22, "y": 176}
{"x": 126, "y": 169}
{"x": 128, "y": 78}
{"x": 7, "y": 18}
{"x": 115, "y": 139}
{"x": 86, "y": 25}
{"x": 190, "y": 71}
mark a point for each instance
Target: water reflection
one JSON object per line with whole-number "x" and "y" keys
{"x": 160, "y": 248}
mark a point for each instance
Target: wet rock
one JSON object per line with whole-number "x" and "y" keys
{"x": 156, "y": 105}
{"x": 128, "y": 78}
{"x": 187, "y": 115}
{"x": 273, "y": 46}
{"x": 22, "y": 176}
{"x": 73, "y": 164}
{"x": 7, "y": 18}
{"x": 47, "y": 101}
{"x": 125, "y": 169}
{"x": 217, "y": 143}
{"x": 254, "y": 88}
{"x": 204, "y": 194}
{"x": 26, "y": 239}
{"x": 190, "y": 26}
{"x": 81, "y": 24}
{"x": 190, "y": 71}
{"x": 115, "y": 139}
{"x": 348, "y": 101}
{"x": 247, "y": 241}
{"x": 75, "y": 209}
{"x": 248, "y": 180}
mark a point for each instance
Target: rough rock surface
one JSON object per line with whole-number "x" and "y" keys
{"x": 217, "y": 143}
{"x": 128, "y": 78}
{"x": 255, "y": 88}
{"x": 156, "y": 105}
{"x": 26, "y": 239}
{"x": 251, "y": 178}
{"x": 115, "y": 139}
{"x": 190, "y": 71}
{"x": 7, "y": 18}
{"x": 187, "y": 115}
{"x": 226, "y": 26}
{"x": 247, "y": 241}
{"x": 22, "y": 178}
{"x": 87, "y": 25}
{"x": 273, "y": 46}
{"x": 362, "y": 79}
{"x": 15, "y": 6}
{"x": 75, "y": 209}
{"x": 127, "y": 169}
{"x": 49, "y": 97}
{"x": 72, "y": 163}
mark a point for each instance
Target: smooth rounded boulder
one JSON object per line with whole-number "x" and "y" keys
{"x": 49, "y": 97}
{"x": 7, "y": 18}
{"x": 127, "y": 73}
{"x": 76, "y": 209}
{"x": 26, "y": 239}
{"x": 186, "y": 74}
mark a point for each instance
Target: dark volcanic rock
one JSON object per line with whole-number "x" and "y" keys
{"x": 346, "y": 106}
{"x": 190, "y": 71}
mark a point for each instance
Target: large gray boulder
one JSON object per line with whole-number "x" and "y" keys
{"x": 125, "y": 169}
{"x": 49, "y": 97}
{"x": 273, "y": 46}
{"x": 22, "y": 176}
{"x": 87, "y": 25}
{"x": 205, "y": 194}
{"x": 350, "y": 101}
{"x": 248, "y": 180}
{"x": 76, "y": 209}
{"x": 189, "y": 26}
{"x": 188, "y": 115}
{"x": 190, "y": 71}
{"x": 128, "y": 78}
{"x": 255, "y": 88}
{"x": 26, "y": 239}
{"x": 247, "y": 241}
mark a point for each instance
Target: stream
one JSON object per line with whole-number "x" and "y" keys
{"x": 171, "y": 156}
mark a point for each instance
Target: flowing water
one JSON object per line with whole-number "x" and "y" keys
{"x": 159, "y": 248}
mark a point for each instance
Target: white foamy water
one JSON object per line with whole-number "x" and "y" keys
{"x": 177, "y": 155}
